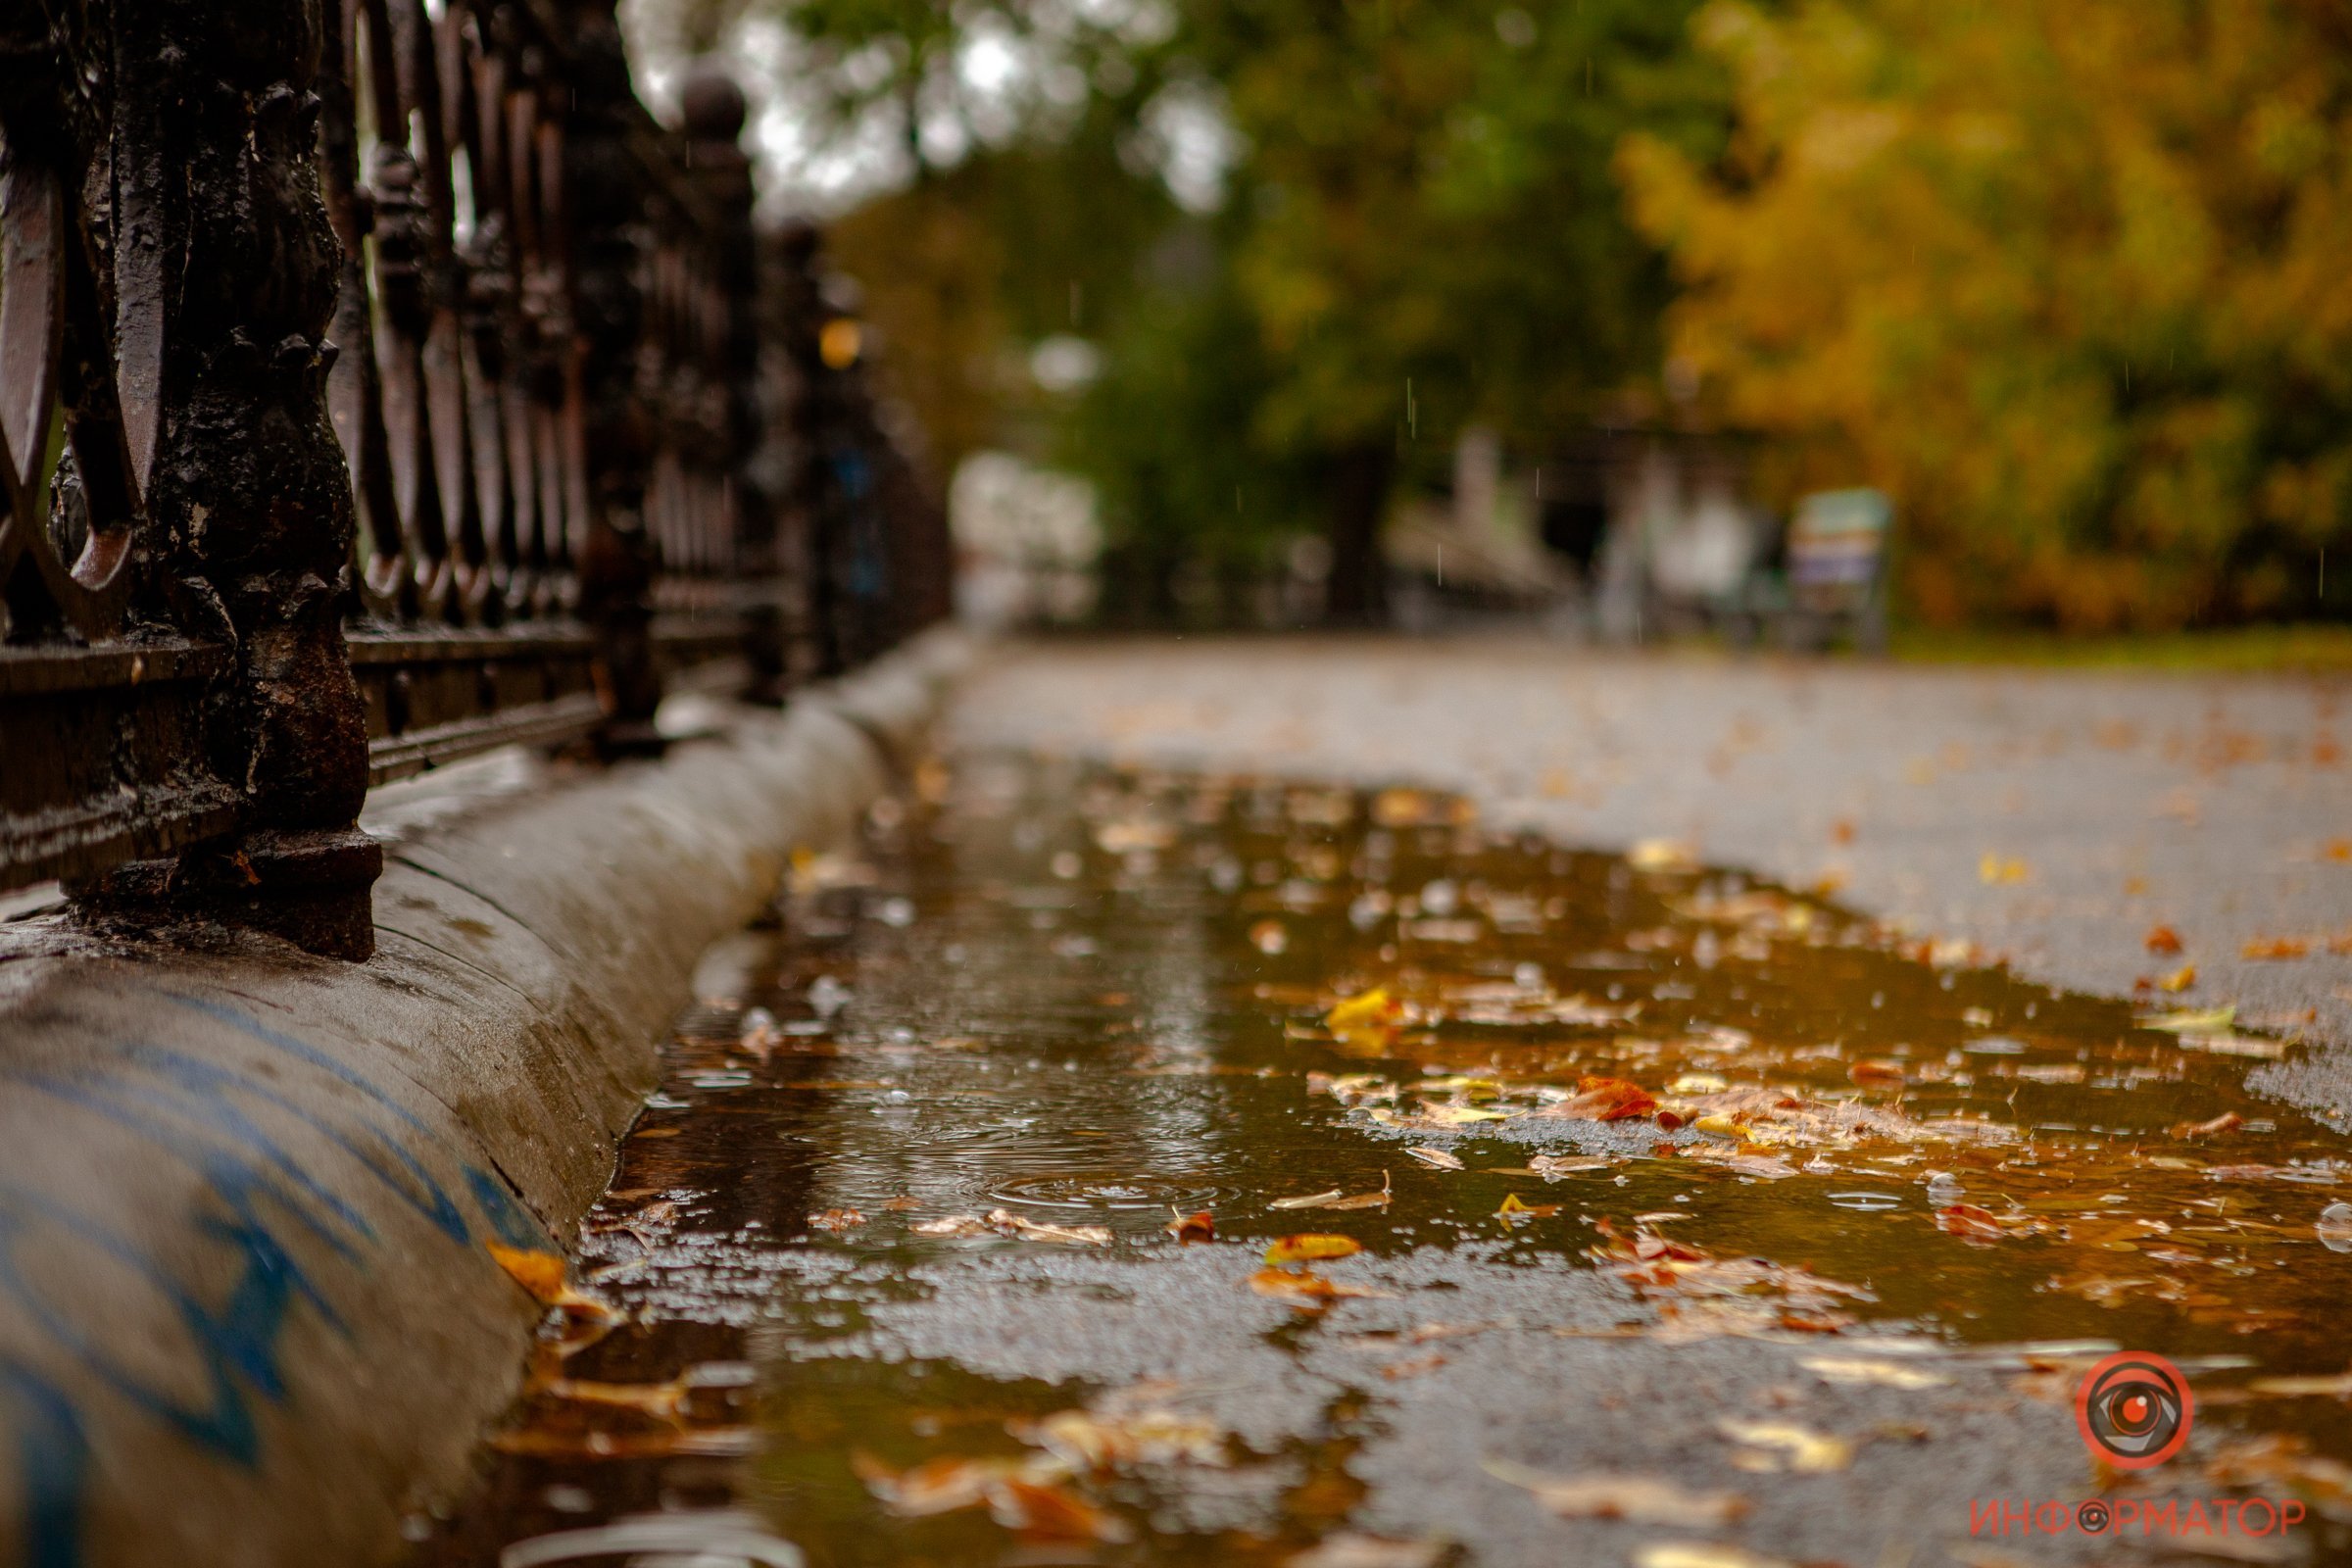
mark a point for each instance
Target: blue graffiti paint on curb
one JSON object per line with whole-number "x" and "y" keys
{"x": 212, "y": 1119}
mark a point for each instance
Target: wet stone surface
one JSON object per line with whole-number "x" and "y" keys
{"x": 1681, "y": 1221}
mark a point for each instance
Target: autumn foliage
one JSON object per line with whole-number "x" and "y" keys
{"x": 2065, "y": 276}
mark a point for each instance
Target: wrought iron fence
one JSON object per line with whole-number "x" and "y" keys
{"x": 379, "y": 383}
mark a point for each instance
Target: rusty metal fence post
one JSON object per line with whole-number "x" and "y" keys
{"x": 380, "y": 384}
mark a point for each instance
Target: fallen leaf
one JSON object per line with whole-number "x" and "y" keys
{"x": 1029, "y": 1230}
{"x": 664, "y": 1402}
{"x": 1552, "y": 1167}
{"x": 1311, "y": 1290}
{"x": 1116, "y": 1439}
{"x": 1348, "y": 1549}
{"x": 2163, "y": 939}
{"x": 1366, "y": 1009}
{"x": 1702, "y": 1554}
{"x": 1641, "y": 1500}
{"x": 1398, "y": 1371}
{"x": 1189, "y": 1228}
{"x": 2275, "y": 948}
{"x": 1996, "y": 870}
{"x": 1513, "y": 1208}
{"x": 836, "y": 1220}
{"x": 1435, "y": 1158}
{"x": 1604, "y": 1099}
{"x": 2335, "y": 1387}
{"x": 2227, "y": 1122}
{"x": 1312, "y": 1248}
{"x": 2178, "y": 980}
{"x": 902, "y": 1203}
{"x": 2204, "y": 1021}
{"x": 1876, "y": 1074}
{"x": 541, "y": 1274}
{"x": 952, "y": 1225}
{"x": 1809, "y": 1453}
{"x": 709, "y": 1443}
{"x": 1333, "y": 1199}
{"x": 1662, "y": 854}
{"x": 1969, "y": 1222}
{"x": 1890, "y": 1374}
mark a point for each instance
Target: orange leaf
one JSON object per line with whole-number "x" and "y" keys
{"x": 2164, "y": 938}
{"x": 1201, "y": 1227}
{"x": 2275, "y": 947}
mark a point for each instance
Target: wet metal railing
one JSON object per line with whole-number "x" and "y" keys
{"x": 378, "y": 384}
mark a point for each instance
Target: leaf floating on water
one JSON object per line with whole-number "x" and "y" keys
{"x": 1808, "y": 1452}
{"x": 836, "y": 1220}
{"x": 1366, "y": 1009}
{"x": 664, "y": 1402}
{"x": 2227, "y": 1121}
{"x": 1513, "y": 1208}
{"x": 1005, "y": 1220}
{"x": 1115, "y": 1440}
{"x": 1190, "y": 1228}
{"x": 707, "y": 1443}
{"x": 1876, "y": 1074}
{"x": 1310, "y": 1201}
{"x": 1026, "y": 1495}
{"x": 1552, "y": 1167}
{"x": 1971, "y": 1223}
{"x": 1334, "y": 1200}
{"x": 1312, "y": 1248}
{"x": 2202, "y": 1021}
{"x": 952, "y": 1225}
{"x": 1638, "y": 1499}
{"x": 1435, "y": 1158}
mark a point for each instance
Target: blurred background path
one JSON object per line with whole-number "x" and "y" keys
{"x": 2065, "y": 821}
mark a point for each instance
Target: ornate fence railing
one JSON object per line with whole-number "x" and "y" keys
{"x": 380, "y": 384}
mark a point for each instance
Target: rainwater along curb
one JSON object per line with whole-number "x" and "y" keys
{"x": 247, "y": 1310}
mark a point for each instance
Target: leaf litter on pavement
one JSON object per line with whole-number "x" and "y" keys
{"x": 1800, "y": 1164}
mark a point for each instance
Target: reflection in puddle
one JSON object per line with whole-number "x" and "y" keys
{"x": 983, "y": 1074}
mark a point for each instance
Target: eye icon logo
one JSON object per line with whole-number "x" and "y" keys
{"x": 2134, "y": 1410}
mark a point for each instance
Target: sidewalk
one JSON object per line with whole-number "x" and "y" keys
{"x": 2054, "y": 820}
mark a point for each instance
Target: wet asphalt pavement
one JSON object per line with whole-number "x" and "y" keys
{"x": 1663, "y": 1192}
{"x": 2053, "y": 819}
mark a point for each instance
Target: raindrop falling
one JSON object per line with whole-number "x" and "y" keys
{"x": 2335, "y": 1226}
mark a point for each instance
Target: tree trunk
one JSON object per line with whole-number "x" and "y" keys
{"x": 1356, "y": 594}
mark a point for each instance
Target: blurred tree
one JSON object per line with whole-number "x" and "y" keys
{"x": 2069, "y": 280}
{"x": 1416, "y": 225}
{"x": 1434, "y": 232}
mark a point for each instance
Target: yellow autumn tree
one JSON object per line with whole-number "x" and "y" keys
{"x": 2071, "y": 279}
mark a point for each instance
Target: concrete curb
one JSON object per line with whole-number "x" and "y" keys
{"x": 246, "y": 1310}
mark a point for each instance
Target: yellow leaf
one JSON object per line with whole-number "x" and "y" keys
{"x": 1809, "y": 1453}
{"x": 1366, "y": 1009}
{"x": 1312, "y": 1246}
{"x": 1662, "y": 854}
{"x": 2179, "y": 979}
{"x": 1459, "y": 1116}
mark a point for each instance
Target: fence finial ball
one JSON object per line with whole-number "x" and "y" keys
{"x": 713, "y": 104}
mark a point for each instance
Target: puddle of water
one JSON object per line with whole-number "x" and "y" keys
{"x": 1078, "y": 1000}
